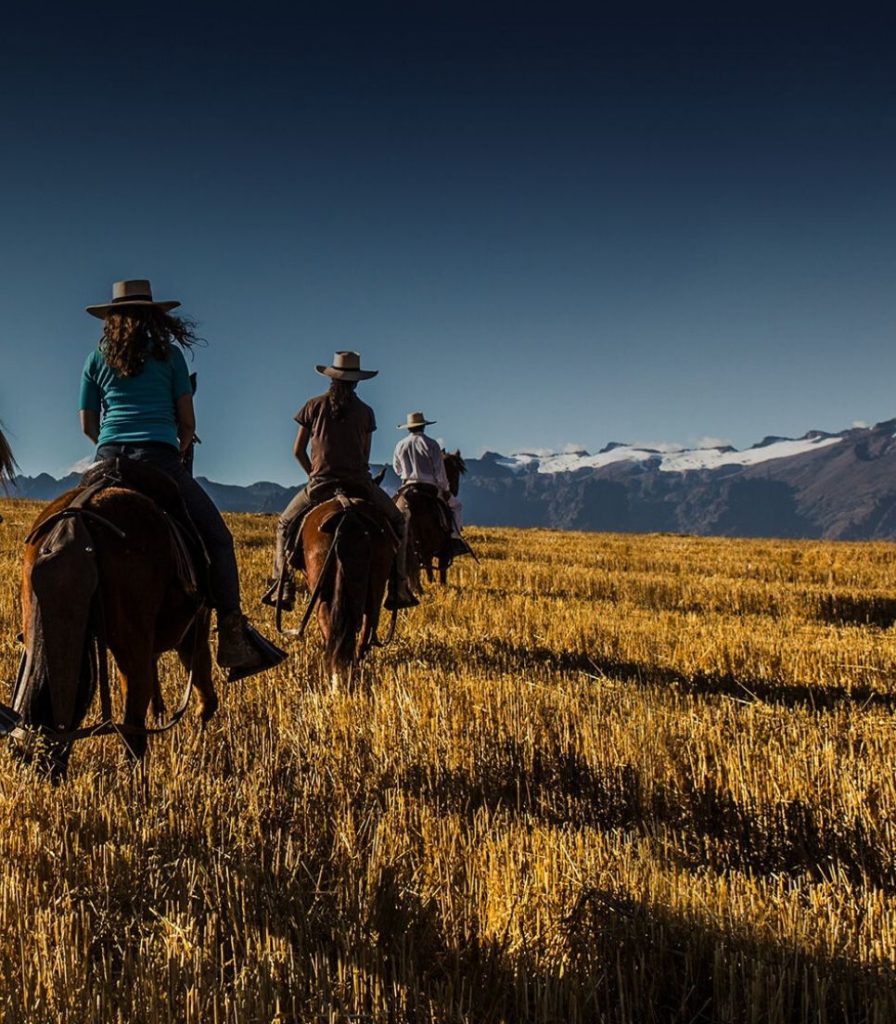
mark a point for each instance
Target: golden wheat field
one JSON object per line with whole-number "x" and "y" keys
{"x": 596, "y": 778}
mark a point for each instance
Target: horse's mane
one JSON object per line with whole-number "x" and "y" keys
{"x": 8, "y": 465}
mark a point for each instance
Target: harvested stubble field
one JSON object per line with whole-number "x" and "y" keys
{"x": 597, "y": 778}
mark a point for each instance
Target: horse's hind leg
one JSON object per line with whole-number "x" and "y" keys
{"x": 137, "y": 682}
{"x": 195, "y": 655}
{"x": 137, "y": 672}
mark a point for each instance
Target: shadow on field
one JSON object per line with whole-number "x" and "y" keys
{"x": 714, "y": 830}
{"x": 498, "y": 655}
{"x": 609, "y": 958}
{"x": 857, "y": 610}
{"x": 835, "y": 609}
{"x": 314, "y": 916}
{"x": 557, "y": 786}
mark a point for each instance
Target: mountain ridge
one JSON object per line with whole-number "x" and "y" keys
{"x": 821, "y": 485}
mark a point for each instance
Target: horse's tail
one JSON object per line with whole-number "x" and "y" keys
{"x": 8, "y": 465}
{"x": 352, "y": 577}
{"x": 61, "y": 582}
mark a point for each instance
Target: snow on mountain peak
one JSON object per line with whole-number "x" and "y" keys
{"x": 667, "y": 458}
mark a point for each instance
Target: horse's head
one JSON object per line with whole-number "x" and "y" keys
{"x": 454, "y": 468}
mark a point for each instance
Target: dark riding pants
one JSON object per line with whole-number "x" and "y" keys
{"x": 218, "y": 540}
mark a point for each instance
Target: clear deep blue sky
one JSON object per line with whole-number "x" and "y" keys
{"x": 543, "y": 226}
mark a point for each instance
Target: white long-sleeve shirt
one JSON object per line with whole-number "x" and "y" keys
{"x": 418, "y": 459}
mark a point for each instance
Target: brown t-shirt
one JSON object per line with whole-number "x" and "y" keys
{"x": 338, "y": 446}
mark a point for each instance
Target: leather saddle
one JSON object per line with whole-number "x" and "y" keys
{"x": 341, "y": 501}
{"x": 190, "y": 556}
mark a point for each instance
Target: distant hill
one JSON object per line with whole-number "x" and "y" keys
{"x": 838, "y": 486}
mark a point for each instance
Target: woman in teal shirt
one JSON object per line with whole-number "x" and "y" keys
{"x": 137, "y": 403}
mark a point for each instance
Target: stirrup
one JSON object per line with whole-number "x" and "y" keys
{"x": 287, "y": 598}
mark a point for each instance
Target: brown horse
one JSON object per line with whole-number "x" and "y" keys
{"x": 429, "y": 537}
{"x": 347, "y": 550}
{"x": 100, "y": 570}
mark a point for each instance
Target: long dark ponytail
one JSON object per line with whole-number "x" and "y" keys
{"x": 339, "y": 397}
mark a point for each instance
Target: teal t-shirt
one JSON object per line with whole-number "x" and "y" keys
{"x": 135, "y": 409}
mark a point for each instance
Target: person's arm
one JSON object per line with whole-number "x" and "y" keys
{"x": 90, "y": 424}
{"x": 186, "y": 421}
{"x": 90, "y": 401}
{"x": 300, "y": 449}
{"x": 397, "y": 463}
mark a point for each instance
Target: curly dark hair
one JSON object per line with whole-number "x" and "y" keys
{"x": 339, "y": 397}
{"x": 132, "y": 336}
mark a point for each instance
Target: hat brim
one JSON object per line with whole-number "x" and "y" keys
{"x": 410, "y": 426}
{"x": 337, "y": 374}
{"x": 108, "y": 307}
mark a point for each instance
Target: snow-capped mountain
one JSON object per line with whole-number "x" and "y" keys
{"x": 829, "y": 485}
{"x": 668, "y": 459}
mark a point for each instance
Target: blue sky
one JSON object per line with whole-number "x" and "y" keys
{"x": 543, "y": 226}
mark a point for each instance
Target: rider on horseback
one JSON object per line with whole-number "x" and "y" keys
{"x": 137, "y": 403}
{"x": 418, "y": 462}
{"x": 339, "y": 426}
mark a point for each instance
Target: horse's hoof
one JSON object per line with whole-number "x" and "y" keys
{"x": 208, "y": 709}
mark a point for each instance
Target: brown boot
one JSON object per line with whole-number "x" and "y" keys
{"x": 235, "y": 650}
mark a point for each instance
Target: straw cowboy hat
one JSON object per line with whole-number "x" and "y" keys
{"x": 415, "y": 419}
{"x": 130, "y": 293}
{"x": 346, "y": 366}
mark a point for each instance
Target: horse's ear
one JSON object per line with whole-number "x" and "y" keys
{"x": 457, "y": 452}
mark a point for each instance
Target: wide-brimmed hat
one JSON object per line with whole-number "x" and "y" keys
{"x": 346, "y": 366}
{"x": 130, "y": 293}
{"x": 415, "y": 419}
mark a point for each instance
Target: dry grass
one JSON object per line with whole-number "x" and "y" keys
{"x": 622, "y": 779}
